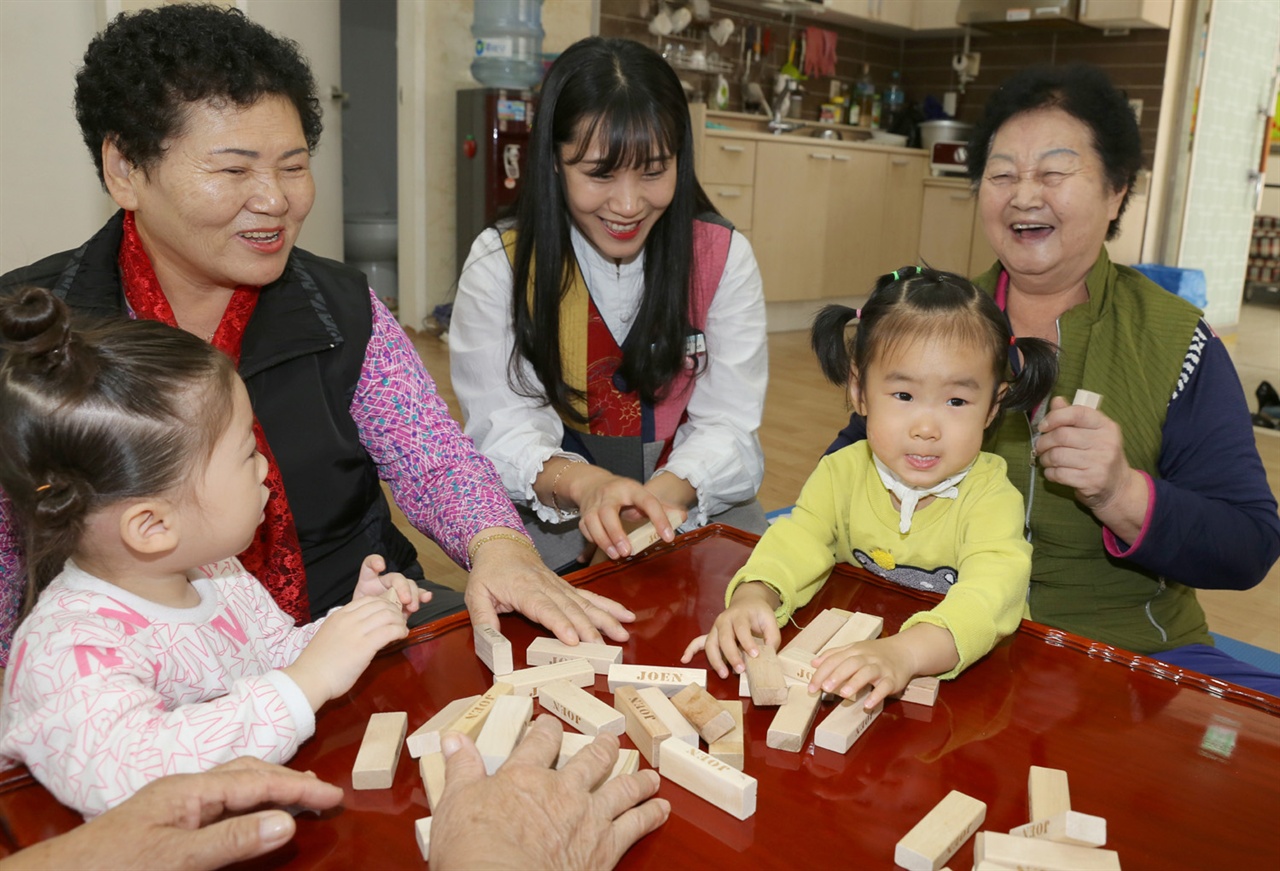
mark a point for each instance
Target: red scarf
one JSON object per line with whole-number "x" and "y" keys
{"x": 275, "y": 556}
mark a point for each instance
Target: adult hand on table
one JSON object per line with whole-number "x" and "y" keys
{"x": 188, "y": 821}
{"x": 1082, "y": 448}
{"x": 509, "y": 576}
{"x": 528, "y": 815}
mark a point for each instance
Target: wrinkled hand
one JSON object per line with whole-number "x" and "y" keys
{"x": 506, "y": 576}
{"x": 372, "y": 582}
{"x": 1083, "y": 449}
{"x": 739, "y": 628}
{"x": 189, "y": 821}
{"x": 343, "y": 647}
{"x": 606, "y": 500}
{"x": 528, "y": 815}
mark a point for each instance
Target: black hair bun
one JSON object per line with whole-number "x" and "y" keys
{"x": 37, "y": 325}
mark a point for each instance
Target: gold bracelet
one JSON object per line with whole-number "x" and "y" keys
{"x": 485, "y": 539}
{"x": 555, "y": 503}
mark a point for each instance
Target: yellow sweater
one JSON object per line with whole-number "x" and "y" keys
{"x": 971, "y": 548}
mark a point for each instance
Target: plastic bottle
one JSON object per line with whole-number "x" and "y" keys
{"x": 894, "y": 104}
{"x": 865, "y": 94}
{"x": 508, "y": 46}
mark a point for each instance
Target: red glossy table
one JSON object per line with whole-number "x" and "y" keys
{"x": 1128, "y": 730}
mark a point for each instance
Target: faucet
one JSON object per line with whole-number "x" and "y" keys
{"x": 783, "y": 89}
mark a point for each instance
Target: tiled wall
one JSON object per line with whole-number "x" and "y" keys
{"x": 1135, "y": 61}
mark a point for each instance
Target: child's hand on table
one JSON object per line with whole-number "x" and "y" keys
{"x": 739, "y": 628}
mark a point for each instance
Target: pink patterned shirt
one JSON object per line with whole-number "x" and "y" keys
{"x": 446, "y": 488}
{"x": 107, "y": 691}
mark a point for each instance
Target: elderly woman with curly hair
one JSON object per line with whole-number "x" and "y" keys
{"x": 202, "y": 125}
{"x": 1135, "y": 504}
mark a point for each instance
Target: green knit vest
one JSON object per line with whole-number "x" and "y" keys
{"x": 1128, "y": 342}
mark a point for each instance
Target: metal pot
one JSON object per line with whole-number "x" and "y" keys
{"x": 943, "y": 131}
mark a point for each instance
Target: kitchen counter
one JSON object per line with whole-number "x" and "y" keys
{"x": 755, "y": 128}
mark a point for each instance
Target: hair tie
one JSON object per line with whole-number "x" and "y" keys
{"x": 895, "y": 275}
{"x": 857, "y": 313}
{"x": 43, "y": 487}
{"x": 1013, "y": 340}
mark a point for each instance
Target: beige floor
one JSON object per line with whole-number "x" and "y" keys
{"x": 803, "y": 413}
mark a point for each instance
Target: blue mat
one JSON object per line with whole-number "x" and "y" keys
{"x": 1267, "y": 660}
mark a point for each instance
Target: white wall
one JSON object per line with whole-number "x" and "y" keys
{"x": 50, "y": 198}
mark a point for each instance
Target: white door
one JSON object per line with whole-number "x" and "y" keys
{"x": 1235, "y": 91}
{"x": 313, "y": 24}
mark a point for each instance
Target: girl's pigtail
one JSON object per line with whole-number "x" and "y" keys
{"x": 1037, "y": 377}
{"x": 829, "y": 344}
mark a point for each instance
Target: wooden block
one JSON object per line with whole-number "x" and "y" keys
{"x": 667, "y": 678}
{"x": 845, "y": 724}
{"x": 431, "y": 769}
{"x": 859, "y": 627}
{"x": 526, "y": 681}
{"x": 922, "y": 691}
{"x": 545, "y": 651}
{"x": 818, "y": 632}
{"x": 580, "y": 709}
{"x": 570, "y": 744}
{"x": 661, "y": 705}
{"x": 765, "y": 676}
{"x": 1015, "y": 852}
{"x": 426, "y": 739}
{"x": 628, "y": 763}
{"x": 795, "y": 665}
{"x": 645, "y": 729}
{"x": 471, "y": 721}
{"x": 704, "y": 712}
{"x": 744, "y": 685}
{"x": 708, "y": 778}
{"x": 503, "y": 727}
{"x": 935, "y": 839}
{"x": 1087, "y": 398}
{"x": 790, "y": 726}
{"x": 731, "y": 747}
{"x": 422, "y": 831}
{"x": 375, "y": 766}
{"x": 1068, "y": 827}
{"x": 646, "y": 535}
{"x": 1048, "y": 793}
{"x": 493, "y": 649}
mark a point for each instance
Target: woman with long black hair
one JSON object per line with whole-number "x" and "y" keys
{"x": 608, "y": 344}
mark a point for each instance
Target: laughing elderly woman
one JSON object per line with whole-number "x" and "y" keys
{"x": 1133, "y": 506}
{"x": 202, "y": 126}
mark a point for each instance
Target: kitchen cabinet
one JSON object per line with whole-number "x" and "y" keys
{"x": 727, "y": 173}
{"x": 828, "y": 221}
{"x": 899, "y": 13}
{"x": 935, "y": 15}
{"x": 1137, "y": 14}
{"x": 951, "y": 237}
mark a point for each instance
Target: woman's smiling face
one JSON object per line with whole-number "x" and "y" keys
{"x": 616, "y": 210}
{"x": 1045, "y": 200}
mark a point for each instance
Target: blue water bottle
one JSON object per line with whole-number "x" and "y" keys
{"x": 508, "y": 43}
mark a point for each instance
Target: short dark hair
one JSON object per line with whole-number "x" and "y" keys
{"x": 146, "y": 67}
{"x": 922, "y": 303}
{"x": 89, "y": 416}
{"x": 627, "y": 97}
{"x": 1083, "y": 92}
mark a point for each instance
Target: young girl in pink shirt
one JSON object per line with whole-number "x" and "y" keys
{"x": 129, "y": 455}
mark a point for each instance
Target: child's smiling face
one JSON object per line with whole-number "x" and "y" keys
{"x": 926, "y": 403}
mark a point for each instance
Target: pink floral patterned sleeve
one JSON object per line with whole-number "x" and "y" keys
{"x": 447, "y": 489}
{"x": 13, "y": 577}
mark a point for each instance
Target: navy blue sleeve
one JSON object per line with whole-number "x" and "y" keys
{"x": 1214, "y": 524}
{"x": 856, "y": 431}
